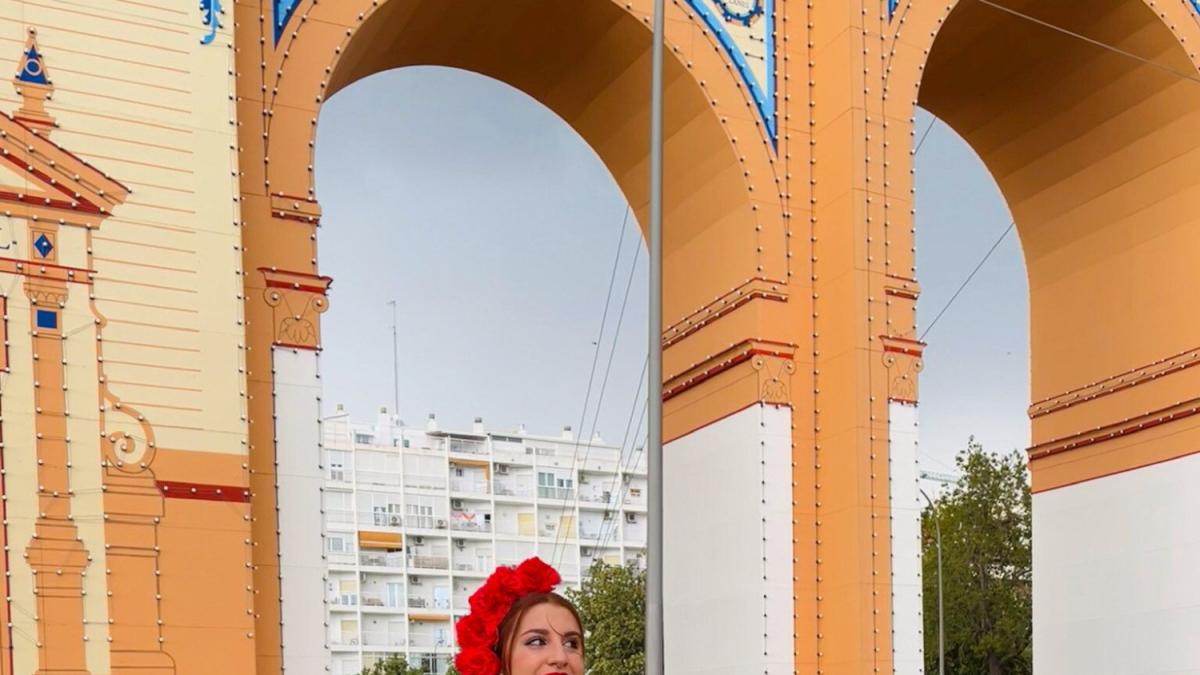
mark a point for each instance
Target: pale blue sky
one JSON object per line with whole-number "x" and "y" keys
{"x": 495, "y": 228}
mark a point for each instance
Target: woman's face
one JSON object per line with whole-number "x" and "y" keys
{"x": 548, "y": 642}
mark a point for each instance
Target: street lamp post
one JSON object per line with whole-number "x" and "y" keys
{"x": 937, "y": 527}
{"x": 654, "y": 574}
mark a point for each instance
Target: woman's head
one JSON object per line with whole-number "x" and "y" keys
{"x": 541, "y": 635}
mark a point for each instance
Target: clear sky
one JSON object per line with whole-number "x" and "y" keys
{"x": 495, "y": 228}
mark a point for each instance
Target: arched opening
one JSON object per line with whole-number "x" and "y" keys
{"x": 1085, "y": 115}
{"x": 496, "y": 235}
{"x": 1089, "y": 147}
{"x": 588, "y": 62}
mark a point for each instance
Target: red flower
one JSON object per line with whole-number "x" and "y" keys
{"x": 473, "y": 631}
{"x": 492, "y": 601}
{"x": 477, "y": 661}
{"x": 535, "y": 576}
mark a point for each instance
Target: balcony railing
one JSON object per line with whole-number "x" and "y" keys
{"x": 510, "y": 490}
{"x": 346, "y": 639}
{"x": 417, "y": 602}
{"x": 472, "y": 486}
{"x": 384, "y": 478}
{"x": 426, "y": 482}
{"x": 339, "y": 516}
{"x": 468, "y": 447}
{"x": 477, "y": 524}
{"x": 428, "y": 522}
{"x": 380, "y": 519}
{"x": 472, "y": 566}
{"x": 377, "y": 600}
{"x": 429, "y": 562}
{"x": 547, "y": 492}
{"x": 383, "y": 639}
{"x": 344, "y": 600}
{"x": 425, "y": 641}
{"x": 377, "y": 559}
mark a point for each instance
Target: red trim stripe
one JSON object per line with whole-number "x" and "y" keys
{"x": 211, "y": 493}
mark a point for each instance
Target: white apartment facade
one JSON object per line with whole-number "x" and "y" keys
{"x": 416, "y": 518}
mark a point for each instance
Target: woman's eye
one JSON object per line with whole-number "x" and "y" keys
{"x": 572, "y": 644}
{"x": 536, "y": 642}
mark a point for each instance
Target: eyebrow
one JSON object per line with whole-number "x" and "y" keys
{"x": 544, "y": 632}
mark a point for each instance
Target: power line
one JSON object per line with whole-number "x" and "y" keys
{"x": 612, "y": 279}
{"x": 925, "y": 135}
{"x": 607, "y": 371}
{"x": 968, "y": 279}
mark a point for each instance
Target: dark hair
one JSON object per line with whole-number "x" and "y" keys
{"x": 507, "y": 635}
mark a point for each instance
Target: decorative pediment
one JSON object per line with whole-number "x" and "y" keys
{"x": 35, "y": 172}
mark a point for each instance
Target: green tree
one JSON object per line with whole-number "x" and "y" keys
{"x": 612, "y": 605}
{"x": 987, "y": 567}
{"x": 394, "y": 664}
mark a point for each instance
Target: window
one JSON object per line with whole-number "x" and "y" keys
{"x": 363, "y": 439}
{"x": 337, "y": 544}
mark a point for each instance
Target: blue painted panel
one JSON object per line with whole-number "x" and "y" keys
{"x": 1196, "y": 4}
{"x": 47, "y": 319}
{"x": 33, "y": 70}
{"x": 763, "y": 93}
{"x": 893, "y": 4}
{"x": 284, "y": 9}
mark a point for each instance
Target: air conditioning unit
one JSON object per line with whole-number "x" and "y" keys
{"x": 414, "y": 581}
{"x": 456, "y": 503}
{"x": 441, "y": 523}
{"x": 583, "y": 480}
{"x": 502, "y": 469}
{"x": 418, "y": 540}
{"x": 631, "y": 517}
{"x": 586, "y": 552}
{"x": 460, "y": 544}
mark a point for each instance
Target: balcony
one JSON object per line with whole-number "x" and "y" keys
{"x": 381, "y": 559}
{"x": 470, "y": 486}
{"x": 346, "y": 639}
{"x": 339, "y": 516}
{"x": 465, "y": 521}
{"x": 344, "y": 600}
{"x": 430, "y": 641}
{"x": 416, "y": 602}
{"x": 504, "y": 489}
{"x": 380, "y": 519}
{"x": 428, "y": 522}
{"x": 381, "y": 478}
{"x": 429, "y": 562}
{"x": 425, "y": 482}
{"x": 473, "y": 567}
{"x": 383, "y": 639}
{"x": 547, "y": 492}
{"x": 377, "y": 600}
{"x": 463, "y": 446}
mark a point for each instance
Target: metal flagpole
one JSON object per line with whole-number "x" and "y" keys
{"x": 395, "y": 365}
{"x": 654, "y": 574}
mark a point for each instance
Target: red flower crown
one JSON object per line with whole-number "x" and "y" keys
{"x": 479, "y": 631}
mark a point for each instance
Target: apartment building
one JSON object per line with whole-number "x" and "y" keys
{"x": 417, "y": 518}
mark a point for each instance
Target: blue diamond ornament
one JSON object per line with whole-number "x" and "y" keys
{"x": 43, "y": 245}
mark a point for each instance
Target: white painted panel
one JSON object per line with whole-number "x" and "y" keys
{"x": 302, "y": 568}
{"x": 1116, "y": 573}
{"x": 728, "y": 546}
{"x": 905, "y": 501}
